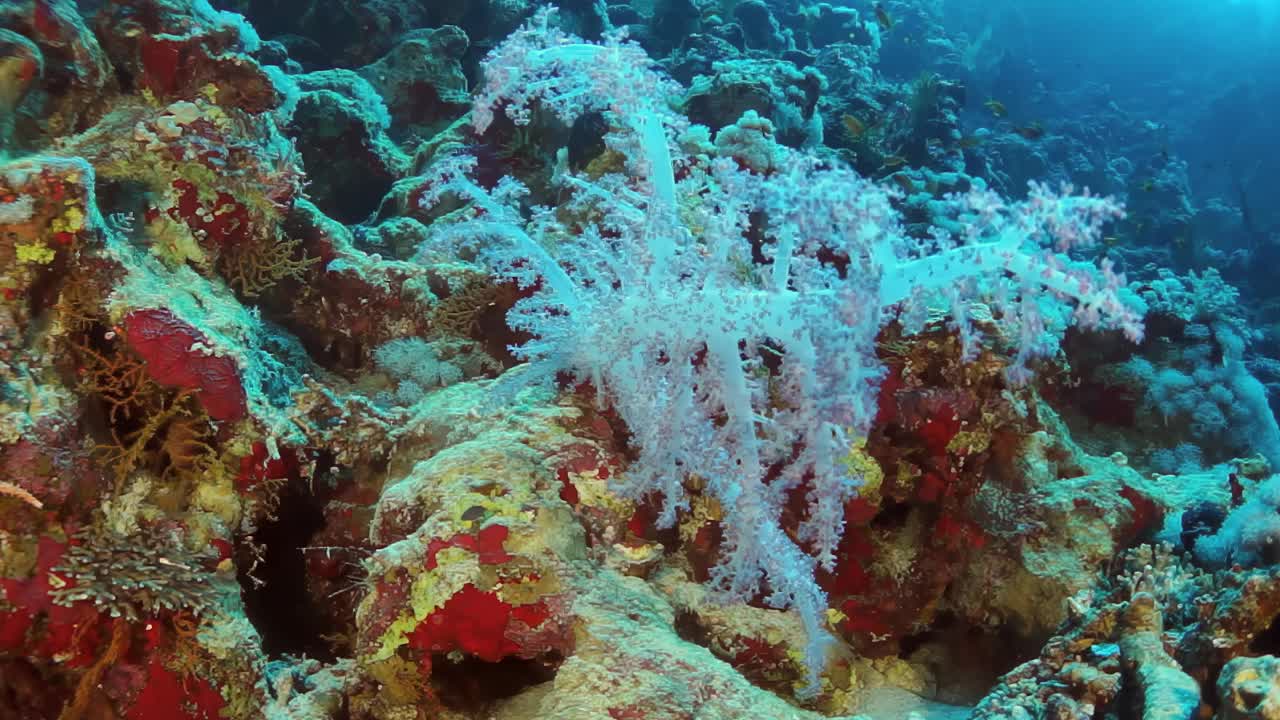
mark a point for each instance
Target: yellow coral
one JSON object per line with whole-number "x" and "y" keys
{"x": 173, "y": 241}
{"x": 525, "y": 593}
{"x": 970, "y": 441}
{"x": 399, "y": 681}
{"x": 703, "y": 510}
{"x": 216, "y": 494}
{"x": 35, "y": 253}
{"x": 72, "y": 220}
{"x": 593, "y": 491}
{"x": 860, "y": 464}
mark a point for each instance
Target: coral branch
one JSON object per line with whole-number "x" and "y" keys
{"x": 11, "y": 490}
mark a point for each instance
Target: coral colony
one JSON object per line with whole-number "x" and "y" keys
{"x": 685, "y": 359}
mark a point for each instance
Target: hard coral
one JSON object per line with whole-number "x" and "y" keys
{"x": 145, "y": 575}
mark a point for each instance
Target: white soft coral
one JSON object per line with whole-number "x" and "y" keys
{"x": 730, "y": 318}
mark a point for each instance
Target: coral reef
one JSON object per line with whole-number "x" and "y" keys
{"x": 686, "y": 359}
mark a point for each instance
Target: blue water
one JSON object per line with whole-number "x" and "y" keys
{"x": 1209, "y": 72}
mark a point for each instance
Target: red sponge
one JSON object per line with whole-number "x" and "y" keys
{"x": 165, "y": 343}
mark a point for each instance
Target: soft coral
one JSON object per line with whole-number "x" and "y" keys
{"x": 668, "y": 308}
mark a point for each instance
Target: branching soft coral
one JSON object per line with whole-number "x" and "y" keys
{"x": 752, "y": 374}
{"x": 1250, "y": 535}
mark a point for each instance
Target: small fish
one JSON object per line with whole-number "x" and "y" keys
{"x": 933, "y": 143}
{"x": 883, "y": 18}
{"x": 1034, "y": 131}
{"x": 1110, "y": 241}
{"x": 905, "y": 183}
{"x": 855, "y": 126}
{"x": 1147, "y": 185}
{"x": 996, "y": 107}
{"x": 894, "y": 161}
{"x": 970, "y": 141}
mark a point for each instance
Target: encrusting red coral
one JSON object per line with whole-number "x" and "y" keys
{"x": 40, "y": 628}
{"x": 177, "y": 698}
{"x": 477, "y": 623}
{"x": 486, "y": 544}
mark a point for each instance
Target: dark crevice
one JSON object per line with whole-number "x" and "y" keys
{"x": 967, "y": 660}
{"x": 1267, "y": 642}
{"x": 690, "y": 630}
{"x": 271, "y": 569}
{"x": 471, "y": 685}
{"x": 29, "y": 691}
